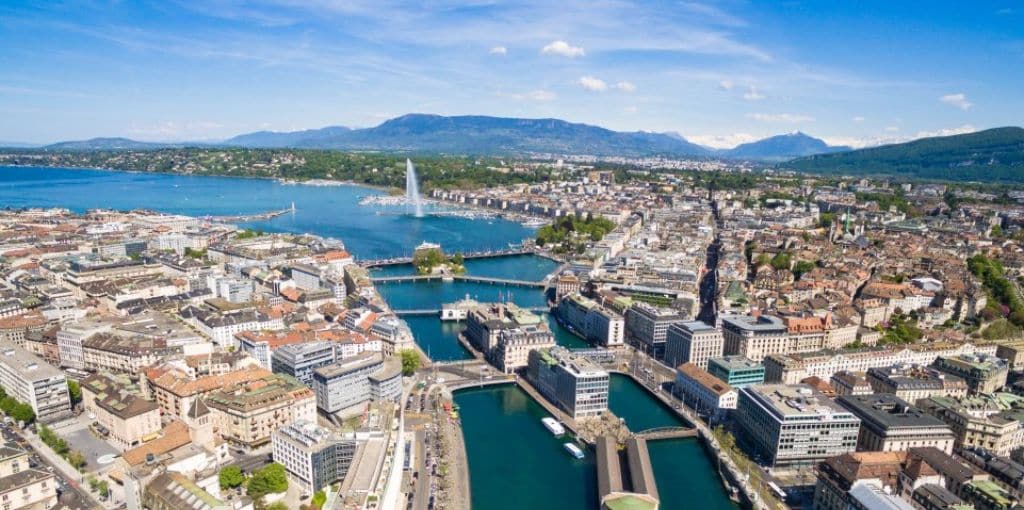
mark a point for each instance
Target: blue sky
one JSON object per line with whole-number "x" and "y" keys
{"x": 718, "y": 72}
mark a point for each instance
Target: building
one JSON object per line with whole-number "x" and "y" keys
{"x": 790, "y": 426}
{"x": 313, "y": 456}
{"x": 705, "y": 393}
{"x": 595, "y": 323}
{"x": 71, "y": 337}
{"x": 300, "y": 359}
{"x": 736, "y": 371}
{"x": 125, "y": 354}
{"x": 1013, "y": 353}
{"x": 573, "y": 383}
{"x": 983, "y": 421}
{"x": 175, "y": 390}
{"x": 889, "y": 424}
{"x": 127, "y": 418}
{"x": 22, "y": 487}
{"x": 915, "y": 382}
{"x": 174, "y": 491}
{"x": 850, "y": 383}
{"x": 222, "y": 327}
{"x": 692, "y": 342}
{"x": 988, "y": 495}
{"x": 32, "y": 381}
{"x": 515, "y": 345}
{"x": 754, "y": 336}
{"x": 246, "y": 414}
{"x": 982, "y": 373}
{"x": 506, "y": 333}
{"x": 647, "y": 327}
{"x": 791, "y": 368}
{"x": 354, "y": 381}
{"x": 838, "y": 475}
{"x": 306, "y": 277}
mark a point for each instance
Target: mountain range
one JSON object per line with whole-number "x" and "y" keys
{"x": 474, "y": 134}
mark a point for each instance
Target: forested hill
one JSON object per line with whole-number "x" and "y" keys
{"x": 993, "y": 155}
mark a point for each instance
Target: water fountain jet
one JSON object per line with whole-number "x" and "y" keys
{"x": 412, "y": 189}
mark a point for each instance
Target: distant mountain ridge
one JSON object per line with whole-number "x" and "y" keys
{"x": 992, "y": 155}
{"x": 484, "y": 135}
{"x": 782, "y": 147}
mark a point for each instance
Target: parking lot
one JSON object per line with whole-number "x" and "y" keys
{"x": 76, "y": 432}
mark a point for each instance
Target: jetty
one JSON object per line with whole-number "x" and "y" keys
{"x": 244, "y": 218}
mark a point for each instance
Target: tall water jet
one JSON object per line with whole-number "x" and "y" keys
{"x": 412, "y": 189}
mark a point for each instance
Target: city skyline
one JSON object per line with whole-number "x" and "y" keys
{"x": 719, "y": 73}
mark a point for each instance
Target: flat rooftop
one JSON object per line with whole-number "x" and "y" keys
{"x": 797, "y": 401}
{"x": 30, "y": 366}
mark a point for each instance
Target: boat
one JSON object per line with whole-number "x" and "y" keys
{"x": 573, "y": 450}
{"x": 553, "y": 426}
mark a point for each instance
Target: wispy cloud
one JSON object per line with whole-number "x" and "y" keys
{"x": 726, "y": 85}
{"x": 722, "y": 141}
{"x": 563, "y": 49}
{"x": 858, "y": 119}
{"x": 533, "y": 95}
{"x": 958, "y": 100}
{"x": 791, "y": 118}
{"x": 592, "y": 84}
{"x": 625, "y": 86}
{"x": 752, "y": 94}
{"x": 499, "y": 50}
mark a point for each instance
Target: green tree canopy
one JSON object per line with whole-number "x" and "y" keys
{"x": 231, "y": 477}
{"x": 410, "y": 361}
{"x": 269, "y": 480}
{"x": 74, "y": 391}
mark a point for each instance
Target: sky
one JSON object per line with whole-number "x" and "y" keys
{"x": 717, "y": 72}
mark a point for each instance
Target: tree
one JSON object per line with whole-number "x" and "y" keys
{"x": 277, "y": 505}
{"x": 271, "y": 479}
{"x": 231, "y": 477}
{"x": 802, "y": 267}
{"x": 781, "y": 260}
{"x": 23, "y": 413}
{"x": 319, "y": 498}
{"x": 458, "y": 259}
{"x": 74, "y": 391}
{"x": 76, "y": 459}
{"x": 410, "y": 361}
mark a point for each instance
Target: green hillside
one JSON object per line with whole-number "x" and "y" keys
{"x": 993, "y": 155}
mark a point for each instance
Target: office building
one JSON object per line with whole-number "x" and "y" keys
{"x": 30, "y": 380}
{"x": 313, "y": 456}
{"x": 790, "y": 426}
{"x": 573, "y": 383}
{"x": 755, "y": 336}
{"x": 889, "y": 424}
{"x": 647, "y": 327}
{"x": 692, "y": 342}
{"x": 850, "y": 383}
{"x": 736, "y": 371}
{"x": 300, "y": 359}
{"x": 355, "y": 381}
{"x": 595, "y": 323}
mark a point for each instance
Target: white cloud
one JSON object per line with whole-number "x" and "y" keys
{"x": 752, "y": 94}
{"x": 962, "y": 130}
{"x": 726, "y": 84}
{"x": 892, "y": 129}
{"x": 858, "y": 119}
{"x": 499, "y": 50}
{"x": 533, "y": 95}
{"x": 563, "y": 49}
{"x": 958, "y": 100}
{"x": 874, "y": 141}
{"x": 625, "y": 86}
{"x": 722, "y": 141}
{"x": 780, "y": 117}
{"x": 593, "y": 84}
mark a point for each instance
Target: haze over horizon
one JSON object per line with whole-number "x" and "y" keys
{"x": 719, "y": 73}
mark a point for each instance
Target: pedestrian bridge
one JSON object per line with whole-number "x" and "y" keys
{"x": 460, "y": 278}
{"x": 666, "y": 433}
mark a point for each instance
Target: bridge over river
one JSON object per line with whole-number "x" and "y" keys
{"x": 461, "y": 278}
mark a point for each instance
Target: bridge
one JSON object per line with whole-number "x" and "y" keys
{"x": 478, "y": 383}
{"x": 483, "y": 254}
{"x": 437, "y": 311}
{"x": 666, "y": 433}
{"x": 461, "y": 278}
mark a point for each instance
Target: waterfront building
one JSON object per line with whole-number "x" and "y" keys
{"x": 982, "y": 373}
{"x": 737, "y": 371}
{"x": 754, "y": 336}
{"x": 127, "y": 418}
{"x": 692, "y": 342}
{"x": 30, "y": 380}
{"x": 915, "y": 382}
{"x": 573, "y": 383}
{"x": 791, "y": 426}
{"x": 888, "y": 423}
{"x": 22, "y": 487}
{"x": 595, "y": 323}
{"x": 566, "y": 285}
{"x": 515, "y": 345}
{"x": 459, "y": 310}
{"x": 351, "y": 382}
{"x": 790, "y": 368}
{"x": 300, "y": 359}
{"x": 506, "y": 333}
{"x": 313, "y": 456}
{"x": 647, "y": 327}
{"x": 707, "y": 394}
{"x": 246, "y": 414}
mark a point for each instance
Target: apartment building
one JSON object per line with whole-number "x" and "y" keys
{"x": 32, "y": 381}
{"x": 22, "y": 487}
{"x": 889, "y": 424}
{"x": 247, "y": 413}
{"x": 915, "y": 382}
{"x": 597, "y": 324}
{"x": 127, "y": 418}
{"x": 647, "y": 327}
{"x": 982, "y": 373}
{"x": 692, "y": 342}
{"x": 300, "y": 359}
{"x": 707, "y": 394}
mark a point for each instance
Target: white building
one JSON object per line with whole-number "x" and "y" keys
{"x": 30, "y": 380}
{"x": 313, "y": 456}
{"x": 692, "y": 342}
{"x": 707, "y": 394}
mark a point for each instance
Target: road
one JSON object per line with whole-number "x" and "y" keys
{"x": 71, "y": 494}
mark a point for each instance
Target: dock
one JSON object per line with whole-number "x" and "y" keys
{"x": 245, "y": 218}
